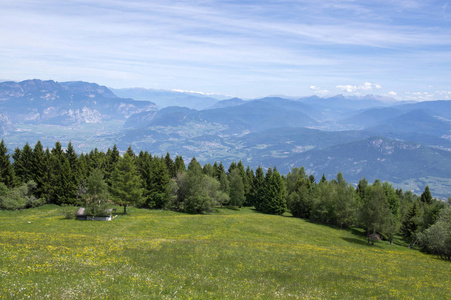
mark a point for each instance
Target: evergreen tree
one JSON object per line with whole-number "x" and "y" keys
{"x": 208, "y": 170}
{"x": 40, "y": 170}
{"x": 248, "y": 186}
{"x": 258, "y": 188}
{"x": 7, "y": 175}
{"x": 111, "y": 159}
{"x": 179, "y": 165}
{"x": 130, "y": 152}
{"x": 273, "y": 201}
{"x": 23, "y": 163}
{"x": 195, "y": 167}
{"x": 75, "y": 177}
{"x": 126, "y": 185}
{"x": 232, "y": 167}
{"x": 157, "y": 184}
{"x": 170, "y": 166}
{"x": 426, "y": 196}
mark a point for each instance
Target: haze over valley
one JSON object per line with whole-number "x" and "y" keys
{"x": 406, "y": 143}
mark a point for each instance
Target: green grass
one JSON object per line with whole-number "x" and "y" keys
{"x": 230, "y": 254}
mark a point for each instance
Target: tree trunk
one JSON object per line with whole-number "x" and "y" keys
{"x": 125, "y": 209}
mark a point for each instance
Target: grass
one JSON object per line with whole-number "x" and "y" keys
{"x": 230, "y": 254}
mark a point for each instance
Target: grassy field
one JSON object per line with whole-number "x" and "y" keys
{"x": 231, "y": 254}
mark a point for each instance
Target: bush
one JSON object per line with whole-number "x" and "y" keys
{"x": 437, "y": 238}
{"x": 19, "y": 197}
{"x": 69, "y": 212}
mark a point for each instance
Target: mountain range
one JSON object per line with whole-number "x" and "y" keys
{"x": 408, "y": 144}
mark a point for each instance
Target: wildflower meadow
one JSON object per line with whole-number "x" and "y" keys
{"x": 228, "y": 254}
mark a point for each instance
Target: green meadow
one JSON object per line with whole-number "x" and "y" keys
{"x": 241, "y": 254}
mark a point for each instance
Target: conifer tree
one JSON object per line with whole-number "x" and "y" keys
{"x": 426, "y": 196}
{"x": 126, "y": 185}
{"x": 40, "y": 170}
{"x": 170, "y": 167}
{"x": 157, "y": 184}
{"x": 23, "y": 163}
{"x": 248, "y": 186}
{"x": 273, "y": 201}
{"x": 179, "y": 165}
{"x": 111, "y": 159}
{"x": 258, "y": 186}
{"x": 7, "y": 175}
{"x": 130, "y": 152}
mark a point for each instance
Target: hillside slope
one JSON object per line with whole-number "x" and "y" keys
{"x": 231, "y": 254}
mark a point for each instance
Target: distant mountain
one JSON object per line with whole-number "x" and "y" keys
{"x": 338, "y": 106}
{"x": 372, "y": 137}
{"x": 376, "y": 158}
{"x": 417, "y": 121}
{"x": 228, "y": 102}
{"x": 254, "y": 115}
{"x": 439, "y": 109}
{"x": 371, "y": 117}
{"x": 164, "y": 98}
{"x": 50, "y": 102}
{"x": 5, "y": 125}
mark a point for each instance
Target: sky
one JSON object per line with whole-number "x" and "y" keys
{"x": 248, "y": 49}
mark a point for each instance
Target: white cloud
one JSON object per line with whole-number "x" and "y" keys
{"x": 367, "y": 86}
{"x": 392, "y": 94}
{"x": 318, "y": 91}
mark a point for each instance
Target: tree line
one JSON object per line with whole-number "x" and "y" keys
{"x": 33, "y": 176}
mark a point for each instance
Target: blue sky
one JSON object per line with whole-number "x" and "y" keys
{"x": 237, "y": 48}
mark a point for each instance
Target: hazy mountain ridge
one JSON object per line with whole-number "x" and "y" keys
{"x": 360, "y": 137}
{"x": 66, "y": 103}
{"x": 164, "y": 98}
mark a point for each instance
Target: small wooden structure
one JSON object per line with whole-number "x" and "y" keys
{"x": 81, "y": 215}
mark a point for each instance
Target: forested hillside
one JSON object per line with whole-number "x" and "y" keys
{"x": 38, "y": 176}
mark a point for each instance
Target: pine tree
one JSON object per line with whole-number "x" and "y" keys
{"x": 130, "y": 152}
{"x": 258, "y": 188}
{"x": 40, "y": 170}
{"x": 126, "y": 185}
{"x": 426, "y": 196}
{"x": 170, "y": 165}
{"x": 412, "y": 222}
{"x": 111, "y": 159}
{"x": 23, "y": 163}
{"x": 179, "y": 165}
{"x": 157, "y": 184}
{"x": 273, "y": 201}
{"x": 7, "y": 175}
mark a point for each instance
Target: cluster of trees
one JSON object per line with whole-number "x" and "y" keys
{"x": 63, "y": 177}
{"x": 36, "y": 176}
{"x": 378, "y": 208}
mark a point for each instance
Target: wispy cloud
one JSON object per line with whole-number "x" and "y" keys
{"x": 367, "y": 86}
{"x": 245, "y": 48}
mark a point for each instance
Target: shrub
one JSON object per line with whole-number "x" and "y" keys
{"x": 437, "y": 238}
